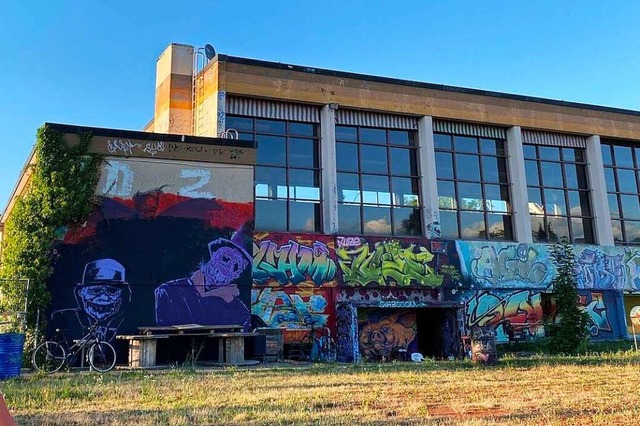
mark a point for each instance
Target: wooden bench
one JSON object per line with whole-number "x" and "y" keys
{"x": 143, "y": 347}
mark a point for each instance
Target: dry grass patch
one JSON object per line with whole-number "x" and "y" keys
{"x": 559, "y": 391}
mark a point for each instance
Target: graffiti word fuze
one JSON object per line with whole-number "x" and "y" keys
{"x": 388, "y": 264}
{"x": 292, "y": 263}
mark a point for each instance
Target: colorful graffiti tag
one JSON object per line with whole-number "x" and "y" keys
{"x": 293, "y": 308}
{"x": 593, "y": 304}
{"x": 389, "y": 262}
{"x": 298, "y": 260}
{"x": 383, "y": 331}
{"x": 500, "y": 265}
{"x": 522, "y": 310}
{"x": 610, "y": 268}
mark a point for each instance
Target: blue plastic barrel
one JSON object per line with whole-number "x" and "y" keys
{"x": 11, "y": 347}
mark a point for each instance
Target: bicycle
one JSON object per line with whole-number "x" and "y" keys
{"x": 318, "y": 345}
{"x": 51, "y": 355}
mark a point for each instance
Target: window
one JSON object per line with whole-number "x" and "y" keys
{"x": 473, "y": 187}
{"x": 287, "y": 173}
{"x": 621, "y": 168}
{"x": 558, "y": 192}
{"x": 378, "y": 190}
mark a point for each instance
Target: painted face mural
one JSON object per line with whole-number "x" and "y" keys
{"x": 381, "y": 335}
{"x": 210, "y": 296}
{"x": 101, "y": 297}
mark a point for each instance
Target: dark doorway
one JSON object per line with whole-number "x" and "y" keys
{"x": 437, "y": 332}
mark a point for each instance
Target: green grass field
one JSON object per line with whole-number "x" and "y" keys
{"x": 591, "y": 389}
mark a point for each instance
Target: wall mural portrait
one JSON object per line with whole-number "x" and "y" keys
{"x": 293, "y": 260}
{"x": 210, "y": 296}
{"x": 381, "y": 332}
{"x": 391, "y": 262}
{"x": 102, "y": 297}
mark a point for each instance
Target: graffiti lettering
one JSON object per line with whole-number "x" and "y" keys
{"x": 203, "y": 177}
{"x": 292, "y": 263}
{"x": 388, "y": 264}
{"x": 597, "y": 311}
{"x": 522, "y": 309}
{"x": 154, "y": 148}
{"x": 289, "y": 310}
{"x": 118, "y": 145}
{"x": 508, "y": 266}
{"x": 598, "y": 270}
{"x": 349, "y": 241}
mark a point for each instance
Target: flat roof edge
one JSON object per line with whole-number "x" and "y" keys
{"x": 418, "y": 84}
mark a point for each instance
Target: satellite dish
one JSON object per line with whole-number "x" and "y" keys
{"x": 209, "y": 51}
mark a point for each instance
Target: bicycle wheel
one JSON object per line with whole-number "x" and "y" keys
{"x": 329, "y": 350}
{"x": 306, "y": 348}
{"x": 48, "y": 357}
{"x": 102, "y": 357}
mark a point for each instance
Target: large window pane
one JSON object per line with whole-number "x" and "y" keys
{"x": 400, "y": 137}
{"x": 494, "y": 169}
{"x": 535, "y": 201}
{"x": 346, "y": 134}
{"x": 623, "y": 156}
{"x": 405, "y": 191}
{"x": 376, "y": 220}
{"x": 497, "y": 198}
{"x": 531, "y": 171}
{"x": 375, "y": 190}
{"x": 632, "y": 232}
{"x": 555, "y": 203}
{"x": 499, "y": 227}
{"x": 303, "y": 153}
{"x": 549, "y": 153}
{"x": 538, "y": 229}
{"x": 407, "y": 221}
{"x": 271, "y": 182}
{"x": 271, "y": 215}
{"x": 470, "y": 196}
{"x": 576, "y": 176}
{"x": 442, "y": 141}
{"x": 616, "y": 227}
{"x": 606, "y": 154}
{"x": 349, "y": 188}
{"x": 271, "y": 127}
{"x": 492, "y": 147}
{"x": 240, "y": 124}
{"x": 373, "y": 159}
{"x": 271, "y": 150}
{"x": 449, "y": 225}
{"x": 302, "y": 129}
{"x": 582, "y": 231}
{"x": 377, "y": 136}
{"x": 347, "y": 157}
{"x": 529, "y": 151}
{"x": 304, "y": 216}
{"x": 627, "y": 181}
{"x": 465, "y": 144}
{"x": 613, "y": 206}
{"x": 473, "y": 226}
{"x": 610, "y": 179}
{"x": 349, "y": 219}
{"x": 468, "y": 167}
{"x": 403, "y": 162}
{"x": 630, "y": 206}
{"x": 551, "y": 174}
{"x": 444, "y": 165}
{"x": 558, "y": 228}
{"x": 304, "y": 184}
{"x": 447, "y": 195}
{"x": 579, "y": 203}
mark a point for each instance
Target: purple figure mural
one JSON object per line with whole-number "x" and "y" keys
{"x": 211, "y": 295}
{"x": 101, "y": 297}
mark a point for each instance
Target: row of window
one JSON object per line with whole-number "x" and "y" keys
{"x": 379, "y": 188}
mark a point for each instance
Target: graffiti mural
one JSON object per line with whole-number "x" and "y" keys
{"x": 606, "y": 268}
{"x": 381, "y": 332}
{"x": 182, "y": 231}
{"x": 391, "y": 262}
{"x": 521, "y": 310}
{"x": 501, "y": 265}
{"x": 210, "y": 295}
{"x": 298, "y": 260}
{"x": 347, "y": 333}
{"x": 389, "y": 297}
{"x": 293, "y": 308}
{"x": 102, "y": 298}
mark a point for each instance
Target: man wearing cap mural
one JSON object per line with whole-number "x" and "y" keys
{"x": 101, "y": 297}
{"x": 210, "y": 296}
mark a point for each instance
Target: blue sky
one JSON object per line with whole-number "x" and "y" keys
{"x": 93, "y": 62}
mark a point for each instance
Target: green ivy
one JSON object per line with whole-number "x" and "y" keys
{"x": 569, "y": 333}
{"x": 60, "y": 193}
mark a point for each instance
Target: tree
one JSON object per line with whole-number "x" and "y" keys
{"x": 569, "y": 333}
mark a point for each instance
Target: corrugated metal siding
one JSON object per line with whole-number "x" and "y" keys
{"x": 469, "y": 129}
{"x": 554, "y": 139}
{"x": 349, "y": 117}
{"x": 272, "y": 109}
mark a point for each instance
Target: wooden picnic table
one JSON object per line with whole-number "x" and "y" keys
{"x": 143, "y": 347}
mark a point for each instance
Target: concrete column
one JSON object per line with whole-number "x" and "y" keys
{"x": 519, "y": 198}
{"x": 428, "y": 180}
{"x": 174, "y": 86}
{"x": 329, "y": 176}
{"x": 599, "y": 200}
